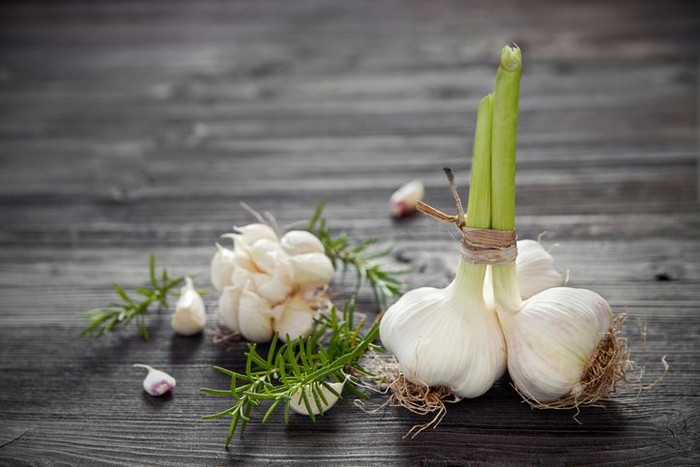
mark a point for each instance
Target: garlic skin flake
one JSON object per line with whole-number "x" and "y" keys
{"x": 297, "y": 403}
{"x": 405, "y": 199}
{"x": 156, "y": 382}
{"x": 447, "y": 337}
{"x": 551, "y": 340}
{"x": 190, "y": 314}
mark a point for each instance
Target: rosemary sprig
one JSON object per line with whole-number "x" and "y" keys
{"x": 133, "y": 308}
{"x": 331, "y": 354}
{"x": 342, "y": 253}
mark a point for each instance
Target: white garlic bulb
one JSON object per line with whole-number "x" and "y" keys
{"x": 156, "y": 382}
{"x": 298, "y": 242}
{"x": 552, "y": 338}
{"x": 190, "y": 314}
{"x": 447, "y": 337}
{"x": 222, "y": 265}
{"x": 297, "y": 403}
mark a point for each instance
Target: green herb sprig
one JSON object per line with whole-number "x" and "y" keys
{"x": 133, "y": 308}
{"x": 331, "y": 354}
{"x": 345, "y": 255}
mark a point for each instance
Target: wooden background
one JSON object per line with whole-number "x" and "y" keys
{"x": 137, "y": 126}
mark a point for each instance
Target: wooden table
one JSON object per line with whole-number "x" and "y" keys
{"x": 135, "y": 127}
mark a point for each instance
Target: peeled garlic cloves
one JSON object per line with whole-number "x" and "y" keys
{"x": 190, "y": 314}
{"x": 331, "y": 397}
{"x": 157, "y": 382}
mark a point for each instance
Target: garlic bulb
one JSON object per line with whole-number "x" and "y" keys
{"x": 222, "y": 265}
{"x": 190, "y": 315}
{"x": 156, "y": 382}
{"x": 551, "y": 340}
{"x": 447, "y": 337}
{"x": 405, "y": 199}
{"x": 297, "y": 403}
{"x": 273, "y": 282}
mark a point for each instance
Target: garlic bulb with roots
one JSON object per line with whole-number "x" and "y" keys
{"x": 447, "y": 337}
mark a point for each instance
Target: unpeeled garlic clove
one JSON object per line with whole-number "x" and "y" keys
{"x": 157, "y": 382}
{"x": 298, "y": 242}
{"x": 277, "y": 287}
{"x": 228, "y": 307}
{"x": 297, "y": 319}
{"x": 265, "y": 253}
{"x": 254, "y": 317}
{"x": 312, "y": 270}
{"x": 405, "y": 199}
{"x": 296, "y": 403}
{"x": 222, "y": 265}
{"x": 249, "y": 234}
{"x": 190, "y": 314}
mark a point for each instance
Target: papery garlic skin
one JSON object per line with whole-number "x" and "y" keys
{"x": 447, "y": 337}
{"x": 157, "y": 382}
{"x": 190, "y": 314}
{"x": 535, "y": 267}
{"x": 222, "y": 265}
{"x": 296, "y": 403}
{"x": 551, "y": 340}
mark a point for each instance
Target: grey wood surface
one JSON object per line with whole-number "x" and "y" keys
{"x": 134, "y": 127}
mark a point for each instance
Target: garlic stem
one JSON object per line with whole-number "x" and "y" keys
{"x": 503, "y": 140}
{"x": 479, "y": 206}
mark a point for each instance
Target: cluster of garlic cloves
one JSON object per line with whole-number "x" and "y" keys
{"x": 270, "y": 284}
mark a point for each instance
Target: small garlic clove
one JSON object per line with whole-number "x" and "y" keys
{"x": 278, "y": 286}
{"x": 249, "y": 234}
{"x": 297, "y": 404}
{"x": 222, "y": 265}
{"x": 265, "y": 253}
{"x": 228, "y": 307}
{"x": 254, "y": 317}
{"x": 190, "y": 314}
{"x": 405, "y": 199}
{"x": 242, "y": 276}
{"x": 156, "y": 382}
{"x": 535, "y": 268}
{"x": 297, "y": 319}
{"x": 298, "y": 242}
{"x": 551, "y": 340}
{"x": 312, "y": 270}
{"x": 243, "y": 260}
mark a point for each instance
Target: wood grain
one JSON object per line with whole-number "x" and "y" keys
{"x": 134, "y": 127}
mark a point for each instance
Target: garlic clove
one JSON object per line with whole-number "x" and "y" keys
{"x": 405, "y": 199}
{"x": 298, "y": 242}
{"x": 264, "y": 254}
{"x": 254, "y": 317}
{"x": 296, "y": 320}
{"x": 551, "y": 340}
{"x": 312, "y": 270}
{"x": 278, "y": 286}
{"x": 535, "y": 267}
{"x": 249, "y": 234}
{"x": 222, "y": 265}
{"x": 156, "y": 382}
{"x": 447, "y": 337}
{"x": 296, "y": 403}
{"x": 228, "y": 307}
{"x": 242, "y": 276}
{"x": 190, "y": 314}
{"x": 243, "y": 260}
